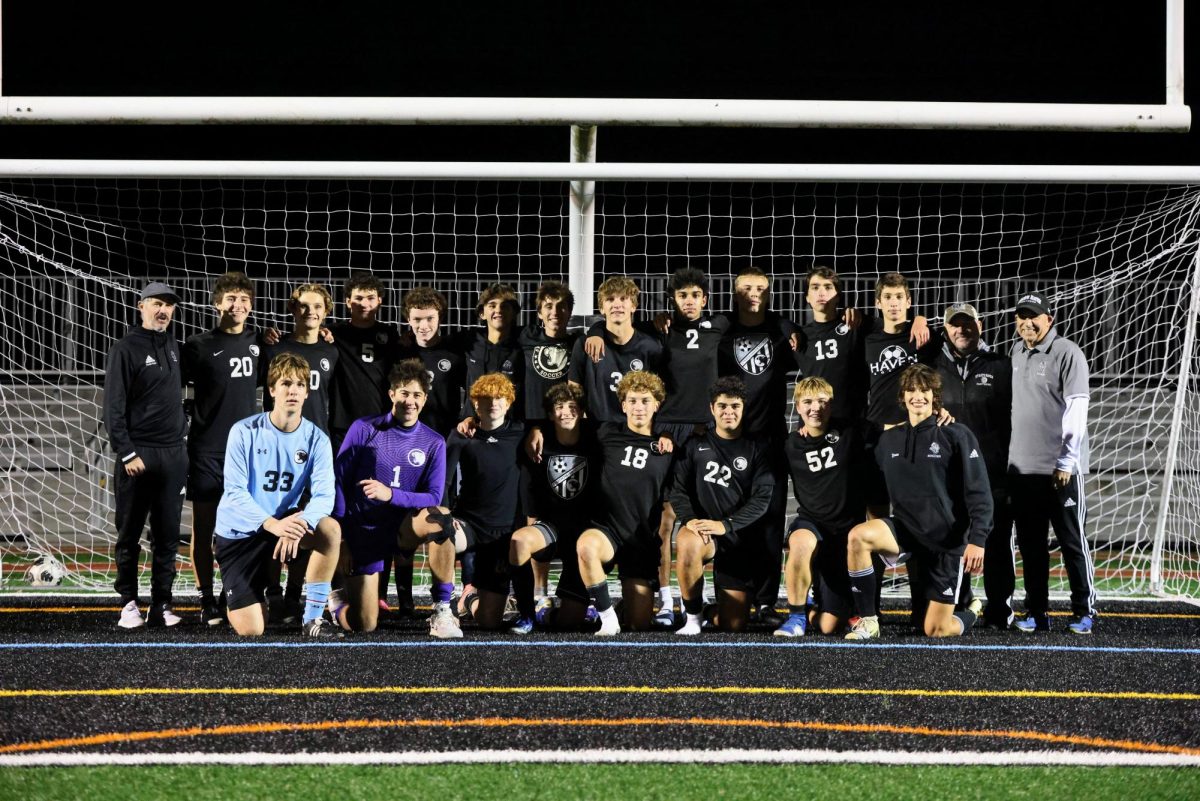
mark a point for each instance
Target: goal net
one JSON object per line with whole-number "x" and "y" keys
{"x": 1119, "y": 264}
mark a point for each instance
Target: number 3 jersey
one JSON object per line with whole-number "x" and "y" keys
{"x": 833, "y": 476}
{"x": 723, "y": 479}
{"x": 634, "y": 479}
{"x": 268, "y": 472}
{"x": 411, "y": 461}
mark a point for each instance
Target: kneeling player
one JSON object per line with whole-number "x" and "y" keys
{"x": 941, "y": 512}
{"x": 274, "y": 461}
{"x": 722, "y": 488}
{"x": 485, "y": 512}
{"x": 388, "y": 467}
{"x": 634, "y": 477}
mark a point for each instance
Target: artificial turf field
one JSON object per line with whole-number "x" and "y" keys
{"x": 90, "y": 711}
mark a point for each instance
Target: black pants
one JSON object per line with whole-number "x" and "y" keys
{"x": 766, "y": 583}
{"x": 1037, "y": 505}
{"x": 158, "y": 494}
{"x": 999, "y": 563}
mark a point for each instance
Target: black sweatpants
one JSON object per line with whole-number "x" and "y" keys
{"x": 767, "y": 580}
{"x": 999, "y": 563}
{"x": 158, "y": 494}
{"x": 1036, "y": 506}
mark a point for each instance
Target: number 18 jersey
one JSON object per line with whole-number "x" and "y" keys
{"x": 634, "y": 479}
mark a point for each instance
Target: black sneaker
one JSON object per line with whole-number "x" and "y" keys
{"x": 210, "y": 613}
{"x": 767, "y": 616}
{"x": 162, "y": 615}
{"x": 321, "y": 629}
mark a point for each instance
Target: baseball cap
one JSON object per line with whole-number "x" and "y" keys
{"x": 1035, "y": 302}
{"x": 955, "y": 309}
{"x": 157, "y": 289}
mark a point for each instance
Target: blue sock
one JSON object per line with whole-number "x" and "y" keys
{"x": 315, "y": 596}
{"x": 441, "y": 591}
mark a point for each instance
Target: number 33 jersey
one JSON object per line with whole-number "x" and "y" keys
{"x": 634, "y": 479}
{"x": 834, "y": 477}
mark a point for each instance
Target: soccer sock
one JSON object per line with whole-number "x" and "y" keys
{"x": 967, "y": 618}
{"x": 316, "y": 596}
{"x": 599, "y": 595}
{"x": 862, "y": 587}
{"x": 441, "y": 591}
{"x": 522, "y": 583}
{"x": 796, "y": 609}
{"x": 694, "y": 605}
{"x": 665, "y": 595}
{"x": 468, "y": 567}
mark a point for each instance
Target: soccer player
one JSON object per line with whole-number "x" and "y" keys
{"x": 941, "y": 513}
{"x": 890, "y": 350}
{"x": 634, "y": 478}
{"x": 389, "y": 466}
{"x": 222, "y": 365}
{"x": 143, "y": 414}
{"x": 494, "y": 348}
{"x": 485, "y": 512}
{"x": 366, "y": 349}
{"x": 832, "y": 479}
{"x": 1047, "y": 459}
{"x": 557, "y": 496}
{"x": 279, "y": 493}
{"x": 721, "y": 490}
{"x": 977, "y": 390}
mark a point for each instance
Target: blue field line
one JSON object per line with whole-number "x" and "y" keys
{"x": 35, "y": 646}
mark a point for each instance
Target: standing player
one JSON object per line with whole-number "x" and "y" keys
{"x": 279, "y": 492}
{"x": 222, "y": 365}
{"x": 941, "y": 512}
{"x": 495, "y": 348}
{"x": 722, "y": 488}
{"x": 634, "y": 478}
{"x": 143, "y": 414}
{"x": 892, "y": 349}
{"x": 366, "y": 350}
{"x": 1047, "y": 459}
{"x": 389, "y": 467}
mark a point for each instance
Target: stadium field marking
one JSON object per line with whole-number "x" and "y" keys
{"x": 617, "y": 756}
{"x": 131, "y": 692}
{"x": 766, "y": 642}
{"x": 114, "y": 738}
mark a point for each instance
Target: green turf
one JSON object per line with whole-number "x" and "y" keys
{"x": 641, "y": 781}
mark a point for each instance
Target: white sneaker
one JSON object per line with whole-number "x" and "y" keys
{"x": 864, "y": 628}
{"x": 443, "y": 624}
{"x": 610, "y": 624}
{"x": 691, "y": 628}
{"x": 131, "y": 616}
{"x": 162, "y": 615}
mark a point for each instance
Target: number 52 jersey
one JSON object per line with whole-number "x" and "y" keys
{"x": 834, "y": 477}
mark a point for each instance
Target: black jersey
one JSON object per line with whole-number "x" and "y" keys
{"x": 365, "y": 358}
{"x": 834, "y": 351}
{"x": 691, "y": 367}
{"x": 938, "y": 484}
{"x": 561, "y": 489}
{"x": 761, "y": 355}
{"x": 886, "y": 357}
{"x": 977, "y": 390}
{"x": 834, "y": 477}
{"x": 322, "y": 358}
{"x": 485, "y": 357}
{"x": 223, "y": 369}
{"x": 143, "y": 393}
{"x": 490, "y": 483}
{"x": 547, "y": 362}
{"x": 723, "y": 479}
{"x": 447, "y": 368}
{"x": 635, "y": 477}
{"x": 599, "y": 379}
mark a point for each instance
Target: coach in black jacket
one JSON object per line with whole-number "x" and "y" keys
{"x": 143, "y": 413}
{"x": 977, "y": 390}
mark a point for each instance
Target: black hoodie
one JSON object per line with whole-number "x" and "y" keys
{"x": 143, "y": 393}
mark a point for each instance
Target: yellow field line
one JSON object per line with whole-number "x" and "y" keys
{"x": 495, "y": 723}
{"x": 128, "y": 692}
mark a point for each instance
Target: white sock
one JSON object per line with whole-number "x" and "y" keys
{"x": 664, "y": 593}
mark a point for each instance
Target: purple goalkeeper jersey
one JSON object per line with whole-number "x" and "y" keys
{"x": 411, "y": 461}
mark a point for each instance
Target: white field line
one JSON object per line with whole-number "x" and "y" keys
{"x": 604, "y": 756}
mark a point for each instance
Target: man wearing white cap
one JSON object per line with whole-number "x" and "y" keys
{"x": 1047, "y": 459}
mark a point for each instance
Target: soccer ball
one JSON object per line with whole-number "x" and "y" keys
{"x": 46, "y": 572}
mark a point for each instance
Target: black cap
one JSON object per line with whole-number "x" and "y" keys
{"x": 157, "y": 289}
{"x": 1035, "y": 302}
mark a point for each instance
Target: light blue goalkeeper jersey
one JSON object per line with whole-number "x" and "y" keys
{"x": 268, "y": 472}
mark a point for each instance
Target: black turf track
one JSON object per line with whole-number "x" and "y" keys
{"x": 1161, "y": 664}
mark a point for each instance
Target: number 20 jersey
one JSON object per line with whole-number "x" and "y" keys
{"x": 634, "y": 479}
{"x": 833, "y": 476}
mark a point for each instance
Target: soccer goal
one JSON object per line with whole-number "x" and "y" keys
{"x": 1118, "y": 260}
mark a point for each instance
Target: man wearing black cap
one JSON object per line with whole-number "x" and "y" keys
{"x": 143, "y": 413}
{"x": 977, "y": 390}
{"x": 1047, "y": 459}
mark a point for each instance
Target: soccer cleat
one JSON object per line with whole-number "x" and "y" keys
{"x": 1031, "y": 623}
{"x": 591, "y": 615}
{"x": 131, "y": 616}
{"x": 665, "y": 617}
{"x": 794, "y": 626}
{"x": 162, "y": 615}
{"x": 523, "y": 625}
{"x": 691, "y": 627}
{"x": 1081, "y": 625}
{"x": 211, "y": 614}
{"x": 321, "y": 629}
{"x": 766, "y": 615}
{"x": 864, "y": 628}
{"x": 443, "y": 624}
{"x": 976, "y": 607}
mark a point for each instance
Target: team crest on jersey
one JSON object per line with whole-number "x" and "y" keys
{"x": 985, "y": 380}
{"x": 842, "y": 329}
{"x": 254, "y": 351}
{"x": 507, "y": 366}
{"x": 935, "y": 450}
{"x": 705, "y": 324}
{"x": 740, "y": 463}
{"x": 568, "y": 475}
{"x": 550, "y": 361}
{"x": 892, "y": 358}
{"x": 636, "y": 364}
{"x": 381, "y": 338}
{"x": 654, "y": 447}
{"x": 833, "y": 437}
{"x": 325, "y": 365}
{"x": 753, "y": 354}
{"x": 416, "y": 457}
{"x": 300, "y": 456}
{"x": 443, "y": 365}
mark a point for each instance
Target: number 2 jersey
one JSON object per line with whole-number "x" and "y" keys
{"x": 269, "y": 471}
{"x": 723, "y": 479}
{"x": 833, "y": 476}
{"x": 634, "y": 479}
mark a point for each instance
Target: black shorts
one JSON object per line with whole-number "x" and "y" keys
{"x": 206, "y": 477}
{"x": 635, "y": 559}
{"x": 737, "y": 563}
{"x": 243, "y": 562}
{"x": 491, "y": 557}
{"x": 932, "y": 575}
{"x": 829, "y": 566}
{"x": 551, "y": 537}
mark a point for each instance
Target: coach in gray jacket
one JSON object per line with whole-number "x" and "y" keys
{"x": 1047, "y": 459}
